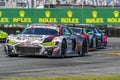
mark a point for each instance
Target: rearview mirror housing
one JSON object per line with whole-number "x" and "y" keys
{"x": 17, "y": 31}
{"x": 90, "y": 33}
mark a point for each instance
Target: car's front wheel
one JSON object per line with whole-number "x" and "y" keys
{"x": 12, "y": 55}
{"x": 9, "y": 53}
{"x": 63, "y": 48}
{"x": 83, "y": 49}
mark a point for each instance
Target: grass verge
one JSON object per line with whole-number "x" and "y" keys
{"x": 113, "y": 77}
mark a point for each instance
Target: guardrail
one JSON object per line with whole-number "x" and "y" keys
{"x": 77, "y": 6}
{"x": 112, "y": 32}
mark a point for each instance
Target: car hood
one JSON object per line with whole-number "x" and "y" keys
{"x": 29, "y": 38}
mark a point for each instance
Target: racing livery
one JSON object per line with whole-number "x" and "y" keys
{"x": 46, "y": 39}
{"x": 98, "y": 34}
{"x": 87, "y": 33}
{"x": 3, "y": 36}
{"x": 104, "y": 37}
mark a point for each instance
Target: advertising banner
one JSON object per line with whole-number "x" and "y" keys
{"x": 61, "y": 16}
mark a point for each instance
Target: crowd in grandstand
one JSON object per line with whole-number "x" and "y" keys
{"x": 41, "y": 3}
{"x": 82, "y": 2}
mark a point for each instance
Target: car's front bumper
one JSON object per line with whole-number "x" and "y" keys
{"x": 32, "y": 50}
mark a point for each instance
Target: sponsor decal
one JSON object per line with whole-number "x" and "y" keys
{"x": 78, "y": 46}
{"x": 2, "y": 19}
{"x": 49, "y": 27}
{"x": 70, "y": 18}
{"x": 95, "y": 18}
{"x": 114, "y": 19}
{"x": 12, "y": 42}
{"x": 47, "y": 18}
{"x": 49, "y": 43}
{"x": 22, "y": 18}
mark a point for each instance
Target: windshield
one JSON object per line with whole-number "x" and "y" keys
{"x": 77, "y": 30}
{"x": 94, "y": 30}
{"x": 40, "y": 31}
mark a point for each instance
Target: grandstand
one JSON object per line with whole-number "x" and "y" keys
{"x": 58, "y": 3}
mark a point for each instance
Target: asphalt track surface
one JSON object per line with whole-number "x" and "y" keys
{"x": 94, "y": 63}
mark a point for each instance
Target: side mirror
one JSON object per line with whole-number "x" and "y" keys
{"x": 17, "y": 31}
{"x": 90, "y": 33}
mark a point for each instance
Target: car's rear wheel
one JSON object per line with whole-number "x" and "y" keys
{"x": 83, "y": 49}
{"x": 86, "y": 46}
{"x": 73, "y": 45}
{"x": 63, "y": 48}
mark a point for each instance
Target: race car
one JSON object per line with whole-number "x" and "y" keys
{"x": 81, "y": 31}
{"x": 47, "y": 40}
{"x": 87, "y": 33}
{"x": 100, "y": 37}
{"x": 104, "y": 37}
{"x": 3, "y": 36}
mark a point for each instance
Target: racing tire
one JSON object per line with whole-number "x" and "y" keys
{"x": 86, "y": 46}
{"x": 63, "y": 48}
{"x": 97, "y": 43}
{"x": 73, "y": 45}
{"x": 83, "y": 49}
{"x": 8, "y": 53}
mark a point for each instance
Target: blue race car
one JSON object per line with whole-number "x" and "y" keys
{"x": 87, "y": 33}
{"x": 100, "y": 36}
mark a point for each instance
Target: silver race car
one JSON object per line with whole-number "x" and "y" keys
{"x": 46, "y": 39}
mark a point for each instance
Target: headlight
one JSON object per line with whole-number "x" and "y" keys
{"x": 11, "y": 42}
{"x": 3, "y": 35}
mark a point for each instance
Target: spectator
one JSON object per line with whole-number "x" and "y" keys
{"x": 102, "y": 2}
{"x": 113, "y": 2}
{"x": 118, "y": 2}
{"x": 57, "y": 2}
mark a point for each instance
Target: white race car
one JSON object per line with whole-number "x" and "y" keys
{"x": 46, "y": 39}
